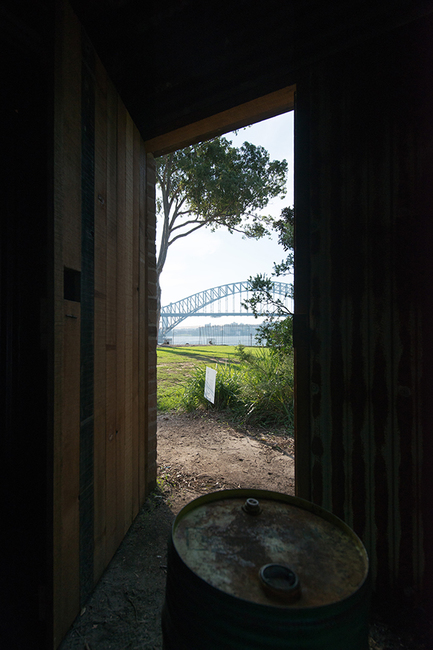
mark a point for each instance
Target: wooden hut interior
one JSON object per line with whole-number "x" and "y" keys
{"x": 92, "y": 92}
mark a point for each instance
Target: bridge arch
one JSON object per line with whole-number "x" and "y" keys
{"x": 176, "y": 312}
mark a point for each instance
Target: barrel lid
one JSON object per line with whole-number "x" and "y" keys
{"x": 270, "y": 548}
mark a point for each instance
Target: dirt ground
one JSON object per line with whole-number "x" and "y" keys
{"x": 211, "y": 455}
{"x": 197, "y": 453}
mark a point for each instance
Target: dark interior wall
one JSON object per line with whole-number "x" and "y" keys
{"x": 25, "y": 264}
{"x": 78, "y": 321}
{"x": 177, "y": 62}
{"x": 363, "y": 162}
{"x": 364, "y": 141}
{"x": 364, "y": 266}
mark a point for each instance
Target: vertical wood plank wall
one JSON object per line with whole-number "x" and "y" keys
{"x": 124, "y": 400}
{"x": 364, "y": 215}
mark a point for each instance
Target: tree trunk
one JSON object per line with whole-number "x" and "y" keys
{"x": 158, "y": 304}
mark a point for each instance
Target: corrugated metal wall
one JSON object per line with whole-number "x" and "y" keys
{"x": 105, "y": 334}
{"x": 364, "y": 214}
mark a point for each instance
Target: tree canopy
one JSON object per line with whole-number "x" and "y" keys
{"x": 213, "y": 184}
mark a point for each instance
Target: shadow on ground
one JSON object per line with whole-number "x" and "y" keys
{"x": 124, "y": 611}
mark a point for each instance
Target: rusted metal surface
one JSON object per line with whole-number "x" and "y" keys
{"x": 227, "y": 546}
{"x": 280, "y": 573}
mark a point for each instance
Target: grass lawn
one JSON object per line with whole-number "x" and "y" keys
{"x": 255, "y": 385}
{"x": 176, "y": 364}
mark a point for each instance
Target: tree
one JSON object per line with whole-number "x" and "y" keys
{"x": 215, "y": 185}
{"x": 277, "y": 329}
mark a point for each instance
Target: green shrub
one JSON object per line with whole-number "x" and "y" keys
{"x": 259, "y": 390}
{"x": 268, "y": 392}
{"x": 228, "y": 388}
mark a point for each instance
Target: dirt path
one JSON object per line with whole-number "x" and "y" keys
{"x": 209, "y": 454}
{"x": 196, "y": 454}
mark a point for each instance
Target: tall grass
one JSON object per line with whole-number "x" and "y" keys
{"x": 176, "y": 365}
{"x": 228, "y": 389}
{"x": 268, "y": 388}
{"x": 258, "y": 390}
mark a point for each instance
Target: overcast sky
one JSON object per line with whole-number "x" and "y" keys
{"x": 208, "y": 259}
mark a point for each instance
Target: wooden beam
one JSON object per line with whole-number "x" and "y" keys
{"x": 251, "y": 112}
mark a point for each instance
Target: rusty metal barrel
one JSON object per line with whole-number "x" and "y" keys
{"x": 256, "y": 570}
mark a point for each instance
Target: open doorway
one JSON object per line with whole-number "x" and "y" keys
{"x": 202, "y": 451}
{"x": 126, "y": 605}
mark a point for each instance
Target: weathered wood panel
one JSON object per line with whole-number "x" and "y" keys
{"x": 364, "y": 157}
{"x": 111, "y": 325}
{"x": 87, "y": 348}
{"x": 69, "y": 543}
{"x": 67, "y": 241}
{"x": 128, "y": 323}
{"x": 136, "y": 468}
{"x": 106, "y": 234}
{"x": 100, "y": 396}
{"x": 121, "y": 311}
{"x": 149, "y": 245}
{"x": 143, "y": 290}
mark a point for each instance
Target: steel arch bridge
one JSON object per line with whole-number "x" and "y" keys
{"x": 176, "y": 312}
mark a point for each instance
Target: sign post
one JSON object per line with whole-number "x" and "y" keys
{"x": 209, "y": 384}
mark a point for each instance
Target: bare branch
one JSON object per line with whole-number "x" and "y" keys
{"x": 187, "y": 223}
{"x": 175, "y": 216}
{"x": 185, "y": 234}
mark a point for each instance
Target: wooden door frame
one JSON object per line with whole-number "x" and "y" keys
{"x": 271, "y": 105}
{"x": 265, "y": 107}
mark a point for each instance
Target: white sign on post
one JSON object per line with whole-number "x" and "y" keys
{"x": 209, "y": 384}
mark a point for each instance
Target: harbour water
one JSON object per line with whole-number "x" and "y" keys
{"x": 232, "y": 334}
{"x": 176, "y": 339}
